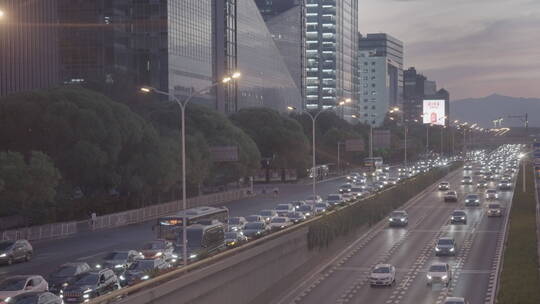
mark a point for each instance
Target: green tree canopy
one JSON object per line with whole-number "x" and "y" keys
{"x": 278, "y": 137}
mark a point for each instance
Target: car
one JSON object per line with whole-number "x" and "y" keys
{"x": 21, "y": 284}
{"x": 472, "y": 199}
{"x": 454, "y": 300}
{"x": 321, "y": 207}
{"x": 15, "y": 251}
{"x": 445, "y": 246}
{"x": 439, "y": 273}
{"x": 159, "y": 249}
{"x": 393, "y": 181}
{"x": 280, "y": 222}
{"x": 143, "y": 270}
{"x": 91, "y": 285}
{"x": 458, "y": 216}
{"x": 235, "y": 238}
{"x": 348, "y": 197}
{"x": 467, "y": 167}
{"x": 482, "y": 184}
{"x": 236, "y": 223}
{"x": 65, "y": 274}
{"x": 345, "y": 188}
{"x": 494, "y": 209}
{"x": 306, "y": 210}
{"x": 254, "y": 218}
{"x": 296, "y": 217}
{"x": 505, "y": 185}
{"x": 444, "y": 186}
{"x": 335, "y": 199}
{"x": 314, "y": 199}
{"x": 268, "y": 215}
{"x": 399, "y": 218}
{"x": 491, "y": 194}
{"x": 379, "y": 185}
{"x": 39, "y": 297}
{"x": 467, "y": 180}
{"x": 282, "y": 209}
{"x": 383, "y": 275}
{"x": 255, "y": 230}
{"x": 297, "y": 204}
{"x": 118, "y": 261}
{"x": 358, "y": 191}
{"x": 451, "y": 196}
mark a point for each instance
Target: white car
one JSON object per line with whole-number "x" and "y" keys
{"x": 280, "y": 222}
{"x": 455, "y": 300}
{"x": 383, "y": 275}
{"x": 439, "y": 273}
{"x": 494, "y": 209}
{"x": 313, "y": 199}
{"x": 20, "y": 284}
{"x": 491, "y": 194}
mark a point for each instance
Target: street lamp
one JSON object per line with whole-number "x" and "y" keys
{"x": 313, "y": 120}
{"x": 183, "y": 106}
{"x": 2, "y": 14}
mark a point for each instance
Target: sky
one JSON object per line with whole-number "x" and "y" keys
{"x": 473, "y": 48}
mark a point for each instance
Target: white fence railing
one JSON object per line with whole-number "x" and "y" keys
{"x": 124, "y": 218}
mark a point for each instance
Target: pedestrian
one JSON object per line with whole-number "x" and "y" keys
{"x": 93, "y": 218}
{"x": 276, "y": 192}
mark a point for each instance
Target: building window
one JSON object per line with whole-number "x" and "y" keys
{"x": 372, "y": 70}
{"x": 372, "y": 85}
{"x": 373, "y": 107}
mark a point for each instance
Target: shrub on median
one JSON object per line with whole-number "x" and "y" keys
{"x": 370, "y": 210}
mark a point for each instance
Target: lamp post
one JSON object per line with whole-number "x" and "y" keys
{"x": 313, "y": 120}
{"x": 183, "y": 106}
{"x": 522, "y": 158}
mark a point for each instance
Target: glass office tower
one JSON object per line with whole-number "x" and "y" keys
{"x": 331, "y": 52}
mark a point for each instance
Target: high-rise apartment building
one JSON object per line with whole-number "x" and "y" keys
{"x": 390, "y": 47}
{"x": 374, "y": 87}
{"x": 331, "y": 52}
{"x": 28, "y": 45}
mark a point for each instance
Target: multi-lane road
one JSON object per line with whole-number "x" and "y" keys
{"x": 91, "y": 246}
{"x": 411, "y": 250}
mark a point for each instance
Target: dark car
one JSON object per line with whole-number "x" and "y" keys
{"x": 35, "y": 298}
{"x": 118, "y": 261}
{"x": 472, "y": 199}
{"x": 296, "y": 217}
{"x": 90, "y": 285}
{"x": 445, "y": 246}
{"x": 398, "y": 218}
{"x": 505, "y": 185}
{"x": 306, "y": 210}
{"x": 143, "y": 270}
{"x": 15, "y": 251}
{"x": 255, "y": 230}
{"x": 235, "y": 238}
{"x": 65, "y": 275}
{"x": 458, "y": 216}
{"x": 345, "y": 188}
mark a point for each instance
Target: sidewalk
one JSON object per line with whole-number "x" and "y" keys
{"x": 537, "y": 186}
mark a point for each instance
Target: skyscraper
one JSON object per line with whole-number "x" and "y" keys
{"x": 374, "y": 87}
{"x": 28, "y": 45}
{"x": 413, "y": 95}
{"x": 391, "y": 48}
{"x": 331, "y": 52}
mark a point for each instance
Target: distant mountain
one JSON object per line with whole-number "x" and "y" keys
{"x": 485, "y": 110}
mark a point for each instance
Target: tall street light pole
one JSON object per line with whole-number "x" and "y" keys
{"x": 183, "y": 106}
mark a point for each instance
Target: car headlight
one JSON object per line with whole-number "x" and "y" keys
{"x": 174, "y": 256}
{"x": 66, "y": 284}
{"x": 437, "y": 249}
{"x": 86, "y": 296}
{"x": 462, "y": 217}
{"x": 87, "y": 291}
{"x": 122, "y": 278}
{"x": 403, "y": 220}
{"x": 451, "y": 249}
{"x": 391, "y": 220}
{"x": 3, "y": 255}
{"x": 429, "y": 277}
{"x": 444, "y": 277}
{"x": 145, "y": 277}
{"x": 476, "y": 201}
{"x": 158, "y": 254}
{"x": 193, "y": 255}
{"x": 98, "y": 266}
{"x": 118, "y": 266}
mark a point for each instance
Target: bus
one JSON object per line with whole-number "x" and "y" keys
{"x": 373, "y": 162}
{"x": 170, "y": 224}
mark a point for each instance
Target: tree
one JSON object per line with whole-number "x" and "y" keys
{"x": 28, "y": 188}
{"x": 278, "y": 137}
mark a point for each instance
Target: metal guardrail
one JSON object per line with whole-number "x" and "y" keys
{"x": 58, "y": 230}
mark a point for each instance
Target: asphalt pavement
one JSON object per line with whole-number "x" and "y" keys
{"x": 91, "y": 246}
{"x": 411, "y": 251}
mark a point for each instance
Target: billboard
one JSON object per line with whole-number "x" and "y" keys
{"x": 434, "y": 112}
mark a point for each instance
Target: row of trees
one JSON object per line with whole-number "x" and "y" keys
{"x": 76, "y": 151}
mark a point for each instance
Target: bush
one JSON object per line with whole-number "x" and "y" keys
{"x": 370, "y": 210}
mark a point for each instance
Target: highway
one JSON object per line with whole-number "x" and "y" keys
{"x": 91, "y": 246}
{"x": 411, "y": 250}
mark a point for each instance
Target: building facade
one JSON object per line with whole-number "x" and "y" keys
{"x": 413, "y": 95}
{"x": 28, "y": 45}
{"x": 374, "y": 87}
{"x": 331, "y": 52}
{"x": 390, "y": 47}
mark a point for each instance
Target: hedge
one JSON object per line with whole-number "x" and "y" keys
{"x": 370, "y": 210}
